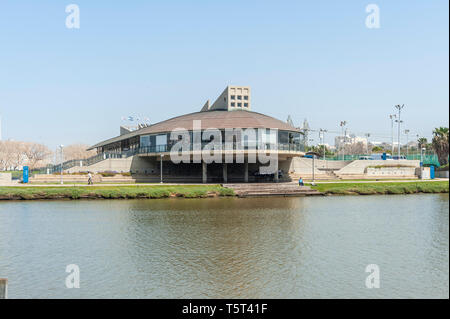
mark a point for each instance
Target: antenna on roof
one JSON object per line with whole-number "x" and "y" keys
{"x": 289, "y": 121}
{"x": 305, "y": 129}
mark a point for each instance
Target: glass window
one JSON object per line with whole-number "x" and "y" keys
{"x": 239, "y": 97}
{"x": 161, "y": 139}
{"x": 233, "y": 104}
{"x": 233, "y": 97}
{"x": 246, "y": 97}
{"x": 145, "y": 141}
{"x": 239, "y": 104}
{"x": 283, "y": 137}
{"x": 246, "y": 104}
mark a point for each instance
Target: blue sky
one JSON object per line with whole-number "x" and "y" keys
{"x": 158, "y": 59}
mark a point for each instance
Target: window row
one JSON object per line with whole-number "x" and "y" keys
{"x": 238, "y": 104}
{"x": 239, "y": 97}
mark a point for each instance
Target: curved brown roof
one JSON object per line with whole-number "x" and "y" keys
{"x": 209, "y": 119}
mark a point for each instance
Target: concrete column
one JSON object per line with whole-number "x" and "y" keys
{"x": 246, "y": 170}
{"x": 204, "y": 173}
{"x": 3, "y": 288}
{"x": 276, "y": 171}
{"x": 225, "y": 173}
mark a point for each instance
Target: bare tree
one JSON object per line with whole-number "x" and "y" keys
{"x": 36, "y": 154}
{"x": 355, "y": 148}
{"x": 17, "y": 151}
{"x": 77, "y": 151}
{"x": 14, "y": 154}
{"x": 4, "y": 155}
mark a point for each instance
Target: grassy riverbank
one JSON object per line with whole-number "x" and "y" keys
{"x": 202, "y": 191}
{"x": 344, "y": 188}
{"x": 113, "y": 192}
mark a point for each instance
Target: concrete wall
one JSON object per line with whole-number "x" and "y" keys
{"x": 359, "y": 167}
{"x": 423, "y": 172}
{"x": 441, "y": 174}
{"x": 3, "y": 288}
{"x": 302, "y": 166}
{"x": 5, "y": 178}
{"x": 391, "y": 171}
{"x": 134, "y": 164}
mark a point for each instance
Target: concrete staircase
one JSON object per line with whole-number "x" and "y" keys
{"x": 271, "y": 189}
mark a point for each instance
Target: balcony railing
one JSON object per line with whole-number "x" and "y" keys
{"x": 166, "y": 148}
{"x": 147, "y": 150}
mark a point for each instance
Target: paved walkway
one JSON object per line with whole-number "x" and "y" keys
{"x": 384, "y": 181}
{"x": 16, "y": 184}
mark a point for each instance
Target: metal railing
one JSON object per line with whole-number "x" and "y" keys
{"x": 428, "y": 159}
{"x": 236, "y": 146}
{"x": 143, "y": 150}
{"x": 56, "y": 168}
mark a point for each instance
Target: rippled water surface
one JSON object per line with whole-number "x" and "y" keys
{"x": 315, "y": 247}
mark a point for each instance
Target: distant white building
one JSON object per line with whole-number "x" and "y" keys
{"x": 340, "y": 141}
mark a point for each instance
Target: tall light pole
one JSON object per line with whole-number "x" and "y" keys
{"x": 418, "y": 144}
{"x": 399, "y": 108}
{"x": 421, "y": 161}
{"x": 392, "y": 117}
{"x": 342, "y": 124}
{"x": 407, "y": 140}
{"x": 367, "y": 142}
{"x": 422, "y": 150}
{"x": 322, "y": 137}
{"x": 62, "y": 162}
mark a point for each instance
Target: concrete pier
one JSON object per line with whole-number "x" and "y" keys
{"x": 3, "y": 288}
{"x": 225, "y": 173}
{"x": 204, "y": 172}
{"x": 246, "y": 170}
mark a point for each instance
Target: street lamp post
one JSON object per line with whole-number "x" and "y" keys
{"x": 421, "y": 161}
{"x": 342, "y": 124}
{"x": 367, "y": 143}
{"x": 418, "y": 144}
{"x": 399, "y": 108}
{"x": 407, "y": 140}
{"x": 322, "y": 137}
{"x": 62, "y": 162}
{"x": 312, "y": 183}
{"x": 392, "y": 117}
{"x": 421, "y": 156}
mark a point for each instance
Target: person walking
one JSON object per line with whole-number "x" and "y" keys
{"x": 300, "y": 182}
{"x": 90, "y": 182}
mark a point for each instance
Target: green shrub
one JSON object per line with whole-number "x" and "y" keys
{"x": 107, "y": 174}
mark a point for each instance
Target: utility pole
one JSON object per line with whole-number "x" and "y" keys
{"x": 399, "y": 108}
{"x": 342, "y": 124}
{"x": 407, "y": 140}
{"x": 392, "y": 117}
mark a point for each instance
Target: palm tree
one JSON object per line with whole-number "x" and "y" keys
{"x": 440, "y": 144}
{"x": 422, "y": 142}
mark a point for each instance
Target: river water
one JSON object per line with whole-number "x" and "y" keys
{"x": 310, "y": 247}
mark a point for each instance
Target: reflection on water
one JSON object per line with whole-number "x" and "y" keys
{"x": 217, "y": 248}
